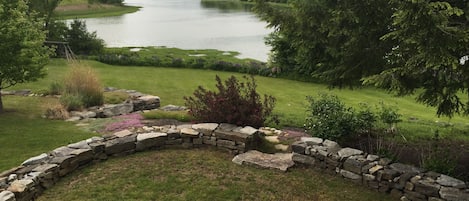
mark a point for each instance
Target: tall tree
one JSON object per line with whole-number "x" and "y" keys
{"x": 45, "y": 8}
{"x": 22, "y": 54}
{"x": 333, "y": 41}
{"x": 405, "y": 46}
{"x": 430, "y": 53}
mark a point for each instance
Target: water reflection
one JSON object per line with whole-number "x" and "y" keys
{"x": 187, "y": 24}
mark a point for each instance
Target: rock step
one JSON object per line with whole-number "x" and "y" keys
{"x": 279, "y": 161}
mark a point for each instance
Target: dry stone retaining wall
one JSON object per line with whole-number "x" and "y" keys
{"x": 38, "y": 173}
{"x": 404, "y": 182}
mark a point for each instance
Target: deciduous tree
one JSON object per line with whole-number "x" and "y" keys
{"x": 22, "y": 54}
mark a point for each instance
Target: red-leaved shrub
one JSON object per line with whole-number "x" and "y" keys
{"x": 234, "y": 102}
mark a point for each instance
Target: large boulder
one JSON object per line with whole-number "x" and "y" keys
{"x": 146, "y": 102}
{"x": 117, "y": 109}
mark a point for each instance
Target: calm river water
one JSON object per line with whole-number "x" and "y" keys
{"x": 186, "y": 24}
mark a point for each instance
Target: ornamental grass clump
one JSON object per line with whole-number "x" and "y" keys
{"x": 82, "y": 88}
{"x": 234, "y": 102}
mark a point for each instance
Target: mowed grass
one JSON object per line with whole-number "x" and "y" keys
{"x": 24, "y": 133}
{"x": 172, "y": 84}
{"x": 200, "y": 174}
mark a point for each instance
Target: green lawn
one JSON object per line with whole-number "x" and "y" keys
{"x": 200, "y": 174}
{"x": 24, "y": 133}
{"x": 172, "y": 84}
{"x": 24, "y": 129}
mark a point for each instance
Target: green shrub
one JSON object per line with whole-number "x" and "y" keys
{"x": 366, "y": 119}
{"x": 329, "y": 118}
{"x": 82, "y": 83}
{"x": 72, "y": 102}
{"x": 83, "y": 42}
{"x": 235, "y": 102}
{"x": 55, "y": 88}
{"x": 389, "y": 115}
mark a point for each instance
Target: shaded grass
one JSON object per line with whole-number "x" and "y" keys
{"x": 172, "y": 84}
{"x": 177, "y": 115}
{"x": 24, "y": 133}
{"x": 199, "y": 174}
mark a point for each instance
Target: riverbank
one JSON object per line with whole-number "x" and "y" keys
{"x": 82, "y": 9}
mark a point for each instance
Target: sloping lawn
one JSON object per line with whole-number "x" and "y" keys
{"x": 24, "y": 133}
{"x": 200, "y": 174}
{"x": 172, "y": 84}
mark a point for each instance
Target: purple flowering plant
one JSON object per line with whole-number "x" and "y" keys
{"x": 124, "y": 122}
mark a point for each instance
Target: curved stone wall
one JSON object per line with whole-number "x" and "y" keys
{"x": 402, "y": 181}
{"x": 38, "y": 173}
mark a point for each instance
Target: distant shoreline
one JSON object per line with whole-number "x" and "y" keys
{"x": 85, "y": 10}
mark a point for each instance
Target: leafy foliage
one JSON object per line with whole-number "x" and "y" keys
{"x": 337, "y": 42}
{"x": 430, "y": 44}
{"x": 45, "y": 8}
{"x": 399, "y": 45}
{"x": 22, "y": 55}
{"x": 329, "y": 118}
{"x": 389, "y": 115}
{"x": 235, "y": 102}
{"x": 82, "y": 41}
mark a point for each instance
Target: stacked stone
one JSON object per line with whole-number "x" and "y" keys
{"x": 38, "y": 173}
{"x": 404, "y": 182}
{"x": 137, "y": 102}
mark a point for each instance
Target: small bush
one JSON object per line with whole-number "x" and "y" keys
{"x": 329, "y": 118}
{"x": 389, "y": 116}
{"x": 82, "y": 84}
{"x": 55, "y": 88}
{"x": 366, "y": 119}
{"x": 235, "y": 102}
{"x": 72, "y": 102}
